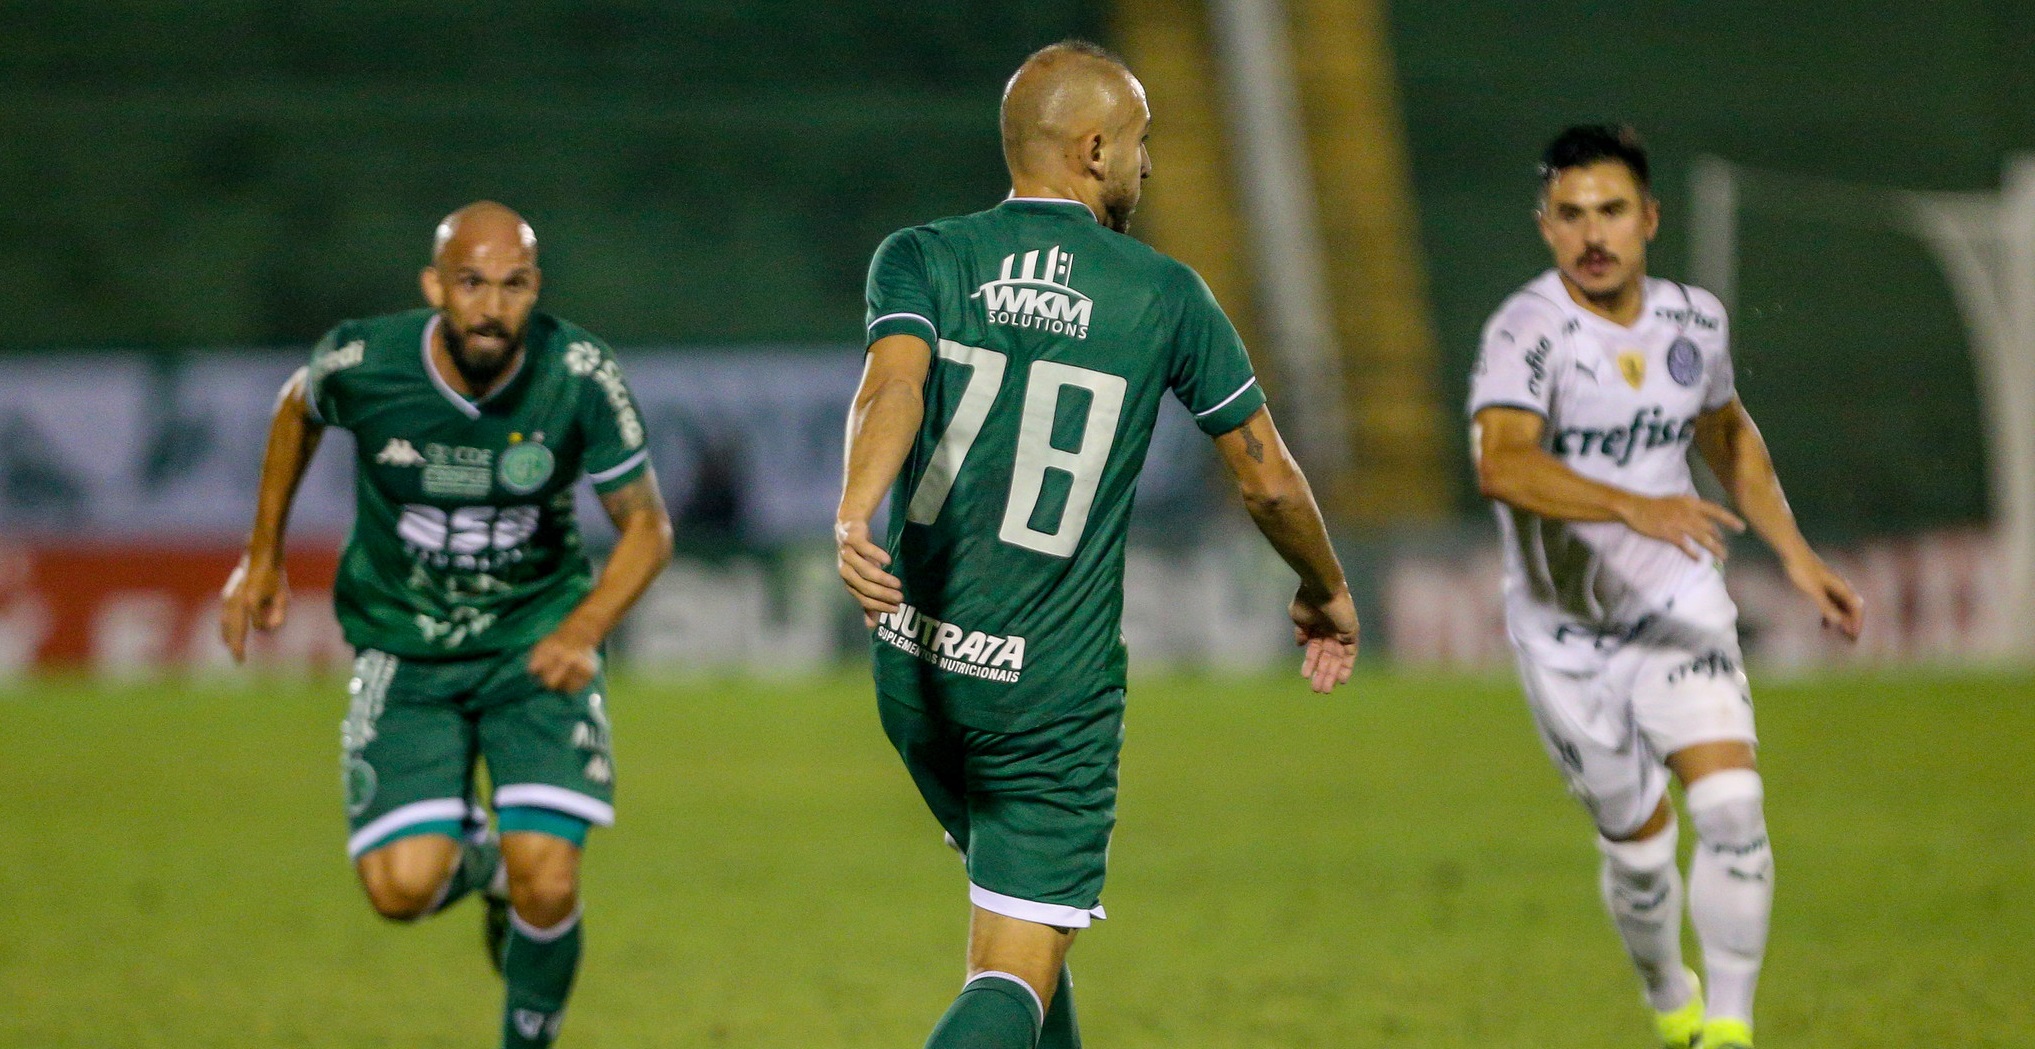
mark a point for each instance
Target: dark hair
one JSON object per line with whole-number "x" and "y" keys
{"x": 1586, "y": 144}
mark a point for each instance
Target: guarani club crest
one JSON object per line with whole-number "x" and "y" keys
{"x": 525, "y": 465}
{"x": 1035, "y": 294}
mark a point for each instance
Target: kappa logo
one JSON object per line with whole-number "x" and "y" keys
{"x": 533, "y": 1025}
{"x": 398, "y": 452}
{"x": 1034, "y": 293}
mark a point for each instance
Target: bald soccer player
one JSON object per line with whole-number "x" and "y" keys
{"x": 1017, "y": 360}
{"x": 465, "y": 592}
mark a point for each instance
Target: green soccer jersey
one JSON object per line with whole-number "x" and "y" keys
{"x": 1055, "y": 340}
{"x": 463, "y": 538}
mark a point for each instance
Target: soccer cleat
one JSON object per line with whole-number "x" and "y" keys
{"x": 1683, "y": 1028}
{"x": 1724, "y": 1033}
{"x": 495, "y": 928}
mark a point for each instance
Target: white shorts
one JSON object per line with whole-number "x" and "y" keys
{"x": 1609, "y": 725}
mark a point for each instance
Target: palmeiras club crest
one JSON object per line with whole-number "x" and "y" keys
{"x": 1685, "y": 361}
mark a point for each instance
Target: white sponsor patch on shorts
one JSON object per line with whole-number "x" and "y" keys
{"x": 953, "y": 648}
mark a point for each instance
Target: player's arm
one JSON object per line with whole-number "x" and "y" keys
{"x": 1730, "y": 442}
{"x": 567, "y": 659}
{"x": 882, "y": 424}
{"x": 1282, "y": 504}
{"x": 1514, "y": 469}
{"x": 257, "y": 594}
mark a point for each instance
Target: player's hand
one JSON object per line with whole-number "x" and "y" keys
{"x": 256, "y": 595}
{"x": 564, "y": 661}
{"x": 862, "y": 564}
{"x": 1327, "y": 628}
{"x": 1692, "y": 525}
{"x": 1843, "y": 610}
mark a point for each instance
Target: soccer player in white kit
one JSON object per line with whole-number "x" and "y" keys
{"x": 1591, "y": 384}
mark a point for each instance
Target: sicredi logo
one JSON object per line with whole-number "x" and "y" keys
{"x": 1034, "y": 293}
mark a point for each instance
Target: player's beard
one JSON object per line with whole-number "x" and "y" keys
{"x": 1117, "y": 208}
{"x": 481, "y": 368}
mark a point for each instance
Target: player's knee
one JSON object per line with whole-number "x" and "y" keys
{"x": 401, "y": 896}
{"x": 1640, "y": 862}
{"x": 1617, "y": 810}
{"x": 1728, "y": 810}
{"x": 544, "y": 894}
{"x": 405, "y": 879}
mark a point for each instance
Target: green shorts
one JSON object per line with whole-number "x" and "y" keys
{"x": 1031, "y": 812}
{"x": 416, "y": 729}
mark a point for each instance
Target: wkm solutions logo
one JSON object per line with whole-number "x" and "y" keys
{"x": 1038, "y": 297}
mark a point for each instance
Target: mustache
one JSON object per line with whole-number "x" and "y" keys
{"x": 491, "y": 329}
{"x": 1596, "y": 255}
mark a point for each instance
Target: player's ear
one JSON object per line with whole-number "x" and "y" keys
{"x": 1650, "y": 210}
{"x": 1091, "y": 155}
{"x": 434, "y": 289}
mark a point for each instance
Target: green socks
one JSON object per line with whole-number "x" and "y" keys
{"x": 1060, "y": 1030}
{"x": 478, "y": 863}
{"x": 995, "y": 1011}
{"x": 538, "y": 965}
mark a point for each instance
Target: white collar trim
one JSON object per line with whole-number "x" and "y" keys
{"x": 468, "y": 408}
{"x": 1052, "y": 200}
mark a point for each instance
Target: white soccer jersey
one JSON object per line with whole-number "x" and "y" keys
{"x": 1621, "y": 405}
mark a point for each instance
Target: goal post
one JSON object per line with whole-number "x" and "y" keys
{"x": 1985, "y": 244}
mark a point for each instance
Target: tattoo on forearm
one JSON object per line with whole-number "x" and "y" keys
{"x": 1254, "y": 447}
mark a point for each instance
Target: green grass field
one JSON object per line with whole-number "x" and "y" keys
{"x": 1395, "y": 865}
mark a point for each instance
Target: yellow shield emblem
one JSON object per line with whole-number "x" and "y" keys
{"x": 1632, "y": 365}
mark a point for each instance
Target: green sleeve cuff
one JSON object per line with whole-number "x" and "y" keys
{"x": 903, "y": 324}
{"x": 620, "y": 474}
{"x": 1230, "y": 413}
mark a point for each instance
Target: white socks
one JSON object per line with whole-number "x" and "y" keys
{"x": 1731, "y": 886}
{"x": 1643, "y": 891}
{"x": 1731, "y": 896}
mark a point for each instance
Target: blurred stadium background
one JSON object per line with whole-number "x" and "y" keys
{"x": 192, "y": 191}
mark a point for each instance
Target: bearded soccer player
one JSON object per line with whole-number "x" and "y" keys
{"x": 465, "y": 592}
{"x": 1016, "y": 363}
{"x": 1592, "y": 383}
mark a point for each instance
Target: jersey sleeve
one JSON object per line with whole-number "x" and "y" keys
{"x": 325, "y": 377}
{"x": 900, "y": 291}
{"x": 1722, "y": 384}
{"x": 615, "y": 450}
{"x": 1212, "y": 372}
{"x": 1515, "y": 359}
